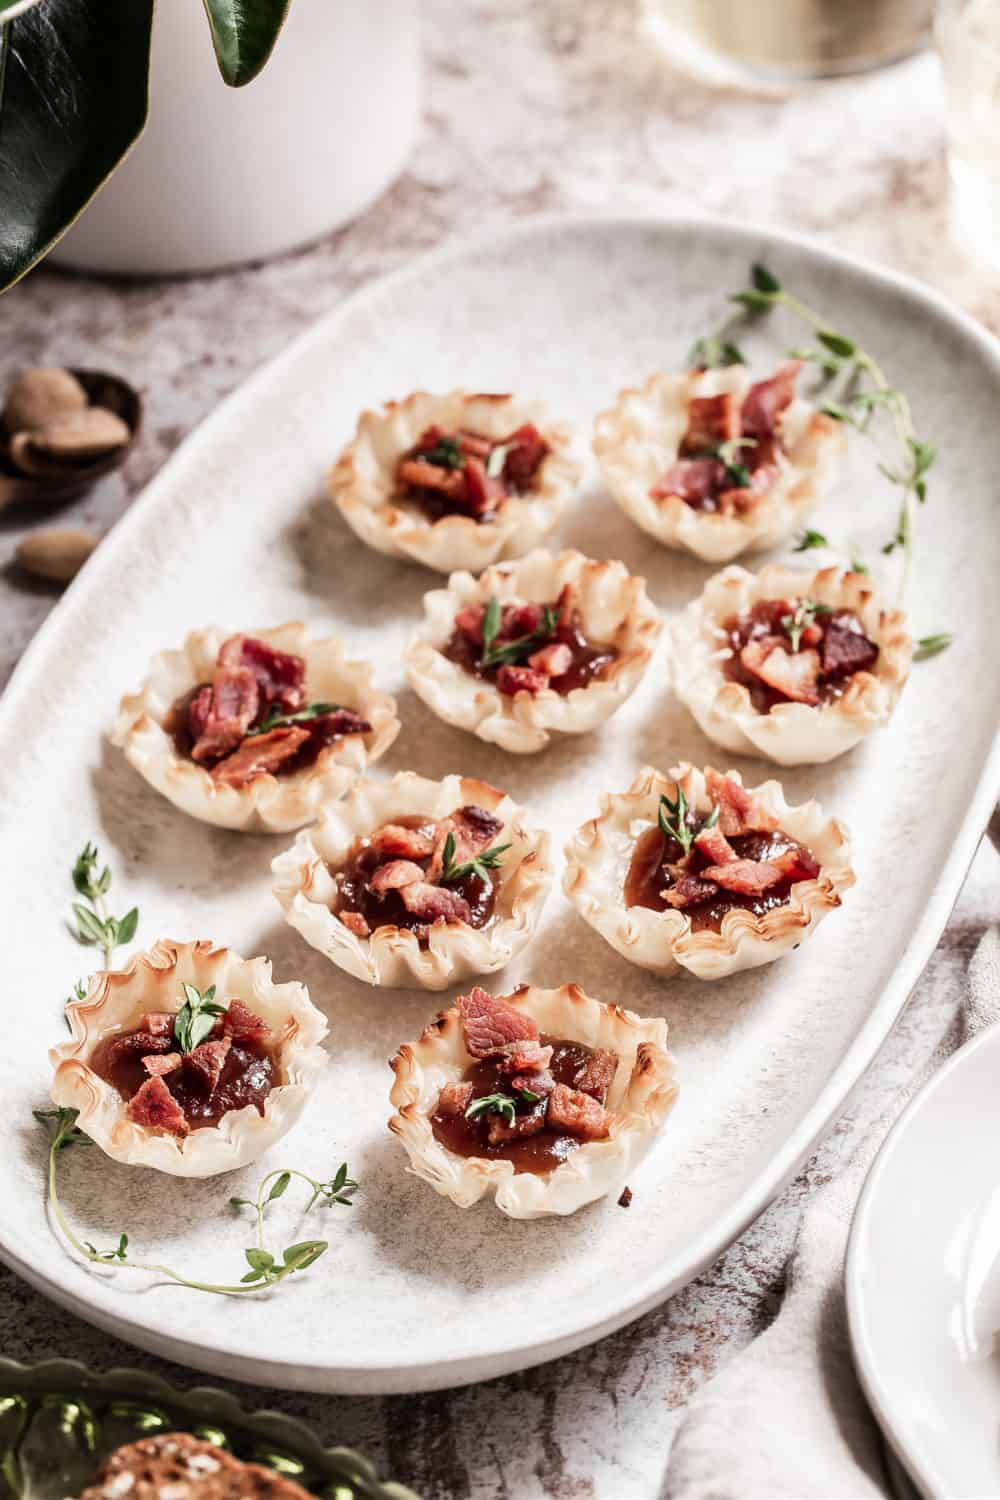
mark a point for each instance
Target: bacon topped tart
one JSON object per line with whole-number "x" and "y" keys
{"x": 716, "y": 463}
{"x": 417, "y": 882}
{"x": 693, "y": 871}
{"x": 189, "y": 1099}
{"x": 255, "y": 730}
{"x": 793, "y": 665}
{"x": 456, "y": 480}
{"x": 546, "y": 1097}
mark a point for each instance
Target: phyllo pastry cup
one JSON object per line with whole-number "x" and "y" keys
{"x": 598, "y": 606}
{"x": 759, "y": 878}
{"x": 754, "y": 714}
{"x": 613, "y": 1135}
{"x": 368, "y": 887}
{"x": 152, "y": 722}
{"x": 640, "y": 444}
{"x": 500, "y": 518}
{"x": 270, "y": 1032}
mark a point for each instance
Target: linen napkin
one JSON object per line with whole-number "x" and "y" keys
{"x": 786, "y": 1418}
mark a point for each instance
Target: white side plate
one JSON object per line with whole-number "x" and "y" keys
{"x": 415, "y": 1294}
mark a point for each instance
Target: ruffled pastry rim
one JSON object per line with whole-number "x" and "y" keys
{"x": 614, "y": 606}
{"x": 116, "y": 1000}
{"x": 275, "y": 804}
{"x": 597, "y": 859}
{"x": 816, "y": 447}
{"x": 392, "y": 956}
{"x": 641, "y": 1097}
{"x": 792, "y": 734}
{"x": 361, "y": 483}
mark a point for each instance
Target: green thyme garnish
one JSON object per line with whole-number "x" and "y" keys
{"x": 714, "y": 352}
{"x": 805, "y": 613}
{"x": 266, "y": 1270}
{"x": 493, "y": 1104}
{"x": 809, "y": 539}
{"x": 445, "y": 454}
{"x": 197, "y": 1016}
{"x": 94, "y": 926}
{"x": 674, "y": 822}
{"x": 508, "y": 653}
{"x": 529, "y": 1096}
{"x": 932, "y": 645}
{"x": 737, "y": 474}
{"x": 490, "y": 859}
{"x": 275, "y": 719}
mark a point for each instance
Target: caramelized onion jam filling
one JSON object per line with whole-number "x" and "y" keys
{"x": 467, "y": 474}
{"x": 732, "y": 858}
{"x": 528, "y": 647}
{"x": 795, "y": 651}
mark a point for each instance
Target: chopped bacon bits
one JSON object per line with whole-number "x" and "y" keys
{"x": 793, "y": 674}
{"x": 713, "y": 845}
{"x": 711, "y": 420}
{"x": 454, "y": 473}
{"x": 473, "y": 829}
{"x": 159, "y": 1064}
{"x": 243, "y": 1024}
{"x": 140, "y": 1043}
{"x": 470, "y": 622}
{"x": 513, "y": 680}
{"x": 688, "y": 890}
{"x": 694, "y": 480}
{"x": 208, "y": 1060}
{"x": 490, "y": 1022}
{"x": 435, "y": 903}
{"x": 735, "y": 804}
{"x": 597, "y": 1074}
{"x": 223, "y": 712}
{"x": 527, "y": 1057}
{"x": 396, "y": 874}
{"x": 155, "y": 1107}
{"x": 796, "y": 864}
{"x": 454, "y": 1098}
{"x": 356, "y": 923}
{"x": 540, "y": 1082}
{"x": 748, "y": 877}
{"x": 262, "y": 755}
{"x": 577, "y": 1113}
{"x": 767, "y": 400}
{"x": 829, "y": 647}
{"x": 158, "y": 1023}
{"x": 393, "y": 841}
{"x": 554, "y": 661}
{"x": 846, "y": 649}
{"x": 280, "y": 676}
{"x": 528, "y": 1122}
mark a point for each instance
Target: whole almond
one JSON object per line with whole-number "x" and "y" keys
{"x": 57, "y": 553}
{"x": 41, "y": 395}
{"x": 80, "y": 436}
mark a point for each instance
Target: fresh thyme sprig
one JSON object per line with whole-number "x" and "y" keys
{"x": 673, "y": 819}
{"x": 95, "y": 927}
{"x": 197, "y": 1016}
{"x": 507, "y": 653}
{"x": 727, "y": 453}
{"x": 808, "y": 539}
{"x": 275, "y": 719}
{"x": 803, "y": 616}
{"x": 932, "y": 645}
{"x": 445, "y": 454}
{"x": 493, "y": 1104}
{"x": 265, "y": 1269}
{"x": 490, "y": 859}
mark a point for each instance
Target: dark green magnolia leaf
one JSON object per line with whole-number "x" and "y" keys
{"x": 244, "y": 33}
{"x": 73, "y": 99}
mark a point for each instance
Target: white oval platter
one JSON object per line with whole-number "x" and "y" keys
{"x": 415, "y": 1294}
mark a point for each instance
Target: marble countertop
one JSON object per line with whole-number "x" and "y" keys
{"x": 583, "y": 114}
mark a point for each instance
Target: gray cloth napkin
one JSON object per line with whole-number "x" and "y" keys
{"x": 786, "y": 1418}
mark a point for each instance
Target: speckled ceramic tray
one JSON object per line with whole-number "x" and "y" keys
{"x": 59, "y": 1420}
{"x": 415, "y": 1293}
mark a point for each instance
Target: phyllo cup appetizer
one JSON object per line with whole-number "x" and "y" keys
{"x": 191, "y": 1059}
{"x": 545, "y": 1097}
{"x": 693, "y": 871}
{"x": 417, "y": 882}
{"x": 456, "y": 480}
{"x": 545, "y": 645}
{"x": 715, "y": 463}
{"x": 788, "y": 664}
{"x": 255, "y": 731}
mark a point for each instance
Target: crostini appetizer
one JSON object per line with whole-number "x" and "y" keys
{"x": 255, "y": 731}
{"x": 190, "y": 1059}
{"x": 693, "y": 871}
{"x": 545, "y": 1097}
{"x": 787, "y": 664}
{"x": 715, "y": 463}
{"x": 545, "y": 645}
{"x": 417, "y": 882}
{"x": 456, "y": 480}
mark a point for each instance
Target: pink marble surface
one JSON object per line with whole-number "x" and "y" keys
{"x": 535, "y": 108}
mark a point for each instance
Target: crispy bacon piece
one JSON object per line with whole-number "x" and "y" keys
{"x": 747, "y": 877}
{"x": 140, "y": 1044}
{"x": 739, "y": 500}
{"x": 520, "y": 619}
{"x": 577, "y": 1114}
{"x": 435, "y": 903}
{"x": 535, "y": 1083}
{"x": 490, "y": 1022}
{"x": 394, "y": 875}
{"x": 527, "y": 1057}
{"x": 355, "y": 922}
{"x": 395, "y": 841}
{"x": 245, "y": 1025}
{"x": 688, "y": 890}
{"x": 483, "y": 492}
{"x": 597, "y": 1074}
{"x": 474, "y": 829}
{"x": 711, "y": 420}
{"x": 260, "y": 755}
{"x": 165, "y": 1062}
{"x": 158, "y": 1023}
{"x": 155, "y": 1107}
{"x": 846, "y": 649}
{"x": 225, "y": 714}
{"x": 454, "y": 1098}
{"x": 474, "y": 442}
{"x": 335, "y": 725}
{"x": 795, "y": 864}
{"x": 527, "y": 1122}
{"x": 199, "y": 711}
{"x": 527, "y": 448}
{"x": 694, "y": 480}
{"x": 470, "y": 622}
{"x": 553, "y": 660}
{"x": 513, "y": 680}
{"x": 424, "y": 476}
{"x": 735, "y": 804}
{"x": 280, "y": 675}
{"x": 207, "y": 1061}
{"x": 713, "y": 844}
{"x": 767, "y": 400}
{"x": 794, "y": 674}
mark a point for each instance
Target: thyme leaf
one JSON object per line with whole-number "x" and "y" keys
{"x": 804, "y": 614}
{"x": 490, "y": 859}
{"x": 809, "y": 539}
{"x": 678, "y": 822}
{"x": 445, "y": 454}
{"x": 507, "y": 653}
{"x": 197, "y": 1016}
{"x": 95, "y": 926}
{"x": 275, "y": 719}
{"x": 493, "y": 1104}
{"x": 932, "y": 645}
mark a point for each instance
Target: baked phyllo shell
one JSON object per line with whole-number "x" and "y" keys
{"x": 151, "y": 982}
{"x": 363, "y": 482}
{"x": 614, "y": 608}
{"x": 637, "y": 440}
{"x": 792, "y": 733}
{"x": 640, "y": 1098}
{"x": 268, "y": 803}
{"x": 393, "y": 956}
{"x": 599, "y": 855}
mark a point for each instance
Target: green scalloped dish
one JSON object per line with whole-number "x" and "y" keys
{"x": 59, "y": 1420}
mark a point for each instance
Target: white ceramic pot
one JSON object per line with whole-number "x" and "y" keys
{"x": 225, "y": 175}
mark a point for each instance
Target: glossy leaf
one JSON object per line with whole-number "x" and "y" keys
{"x": 73, "y": 99}
{"x": 244, "y": 33}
